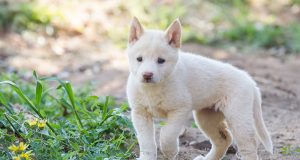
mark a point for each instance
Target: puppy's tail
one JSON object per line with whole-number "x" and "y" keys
{"x": 260, "y": 126}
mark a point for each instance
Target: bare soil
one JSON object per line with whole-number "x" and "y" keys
{"x": 107, "y": 68}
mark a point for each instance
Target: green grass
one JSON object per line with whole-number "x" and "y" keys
{"x": 77, "y": 126}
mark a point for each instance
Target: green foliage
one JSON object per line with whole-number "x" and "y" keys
{"x": 26, "y": 15}
{"x": 288, "y": 150}
{"x": 295, "y": 2}
{"x": 292, "y": 37}
{"x": 245, "y": 31}
{"x": 257, "y": 35}
{"x": 262, "y": 36}
{"x": 77, "y": 127}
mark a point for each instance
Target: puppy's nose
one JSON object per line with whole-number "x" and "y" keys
{"x": 148, "y": 75}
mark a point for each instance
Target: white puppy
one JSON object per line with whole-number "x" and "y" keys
{"x": 167, "y": 83}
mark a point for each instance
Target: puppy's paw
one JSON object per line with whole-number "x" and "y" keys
{"x": 169, "y": 158}
{"x": 147, "y": 157}
{"x": 144, "y": 158}
{"x": 200, "y": 158}
{"x": 170, "y": 154}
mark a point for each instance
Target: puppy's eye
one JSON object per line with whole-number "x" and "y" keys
{"x": 160, "y": 60}
{"x": 139, "y": 59}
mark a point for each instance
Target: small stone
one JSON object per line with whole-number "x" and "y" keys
{"x": 231, "y": 150}
{"x": 206, "y": 145}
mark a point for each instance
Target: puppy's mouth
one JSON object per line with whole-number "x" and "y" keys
{"x": 148, "y": 81}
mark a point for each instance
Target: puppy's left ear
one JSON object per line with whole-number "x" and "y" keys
{"x": 173, "y": 34}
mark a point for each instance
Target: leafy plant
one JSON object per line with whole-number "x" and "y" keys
{"x": 54, "y": 123}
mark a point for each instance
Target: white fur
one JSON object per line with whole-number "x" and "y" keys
{"x": 225, "y": 100}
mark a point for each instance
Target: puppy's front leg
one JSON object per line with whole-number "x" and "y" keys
{"x": 169, "y": 141}
{"x": 143, "y": 124}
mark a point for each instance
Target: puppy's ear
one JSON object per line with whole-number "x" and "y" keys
{"x": 136, "y": 31}
{"x": 173, "y": 34}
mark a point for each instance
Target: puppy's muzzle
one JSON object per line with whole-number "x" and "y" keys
{"x": 148, "y": 77}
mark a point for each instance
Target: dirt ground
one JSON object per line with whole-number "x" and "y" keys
{"x": 107, "y": 69}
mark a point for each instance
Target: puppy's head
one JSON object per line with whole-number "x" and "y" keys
{"x": 153, "y": 54}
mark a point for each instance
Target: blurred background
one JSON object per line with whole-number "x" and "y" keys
{"x": 84, "y": 42}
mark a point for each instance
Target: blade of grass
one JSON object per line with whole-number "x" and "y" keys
{"x": 105, "y": 107}
{"x": 38, "y": 91}
{"x": 16, "y": 131}
{"x": 104, "y": 119}
{"x": 26, "y": 99}
{"x": 69, "y": 90}
{"x": 35, "y": 75}
{"x": 38, "y": 94}
{"x": 65, "y": 103}
{"x": 47, "y": 92}
{"x": 131, "y": 147}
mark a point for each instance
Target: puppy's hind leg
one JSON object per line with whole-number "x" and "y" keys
{"x": 212, "y": 123}
{"x": 239, "y": 116}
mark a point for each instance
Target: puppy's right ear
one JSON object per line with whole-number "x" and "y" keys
{"x": 136, "y": 31}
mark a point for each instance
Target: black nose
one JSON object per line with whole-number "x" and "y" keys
{"x": 148, "y": 76}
